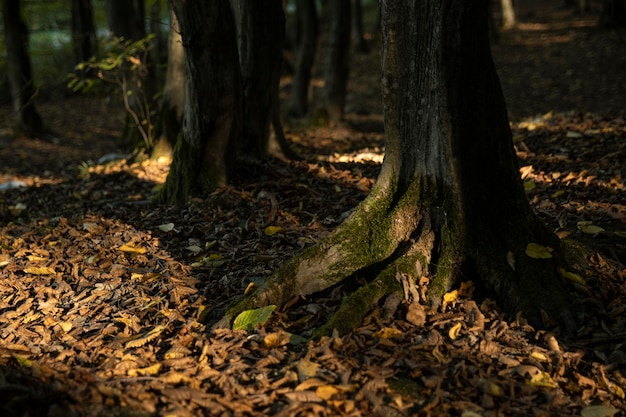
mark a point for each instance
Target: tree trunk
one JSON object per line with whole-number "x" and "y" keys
{"x": 173, "y": 99}
{"x": 261, "y": 35}
{"x": 19, "y": 70}
{"x": 204, "y": 153}
{"x": 338, "y": 62}
{"x": 360, "y": 43}
{"x": 448, "y": 203}
{"x": 613, "y": 14}
{"x": 508, "y": 14}
{"x": 83, "y": 30}
{"x": 306, "y": 14}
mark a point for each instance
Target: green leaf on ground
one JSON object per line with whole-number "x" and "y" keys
{"x": 249, "y": 319}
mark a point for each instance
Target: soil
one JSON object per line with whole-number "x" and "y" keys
{"x": 106, "y": 299}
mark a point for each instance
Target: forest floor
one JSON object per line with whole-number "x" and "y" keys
{"x": 105, "y": 297}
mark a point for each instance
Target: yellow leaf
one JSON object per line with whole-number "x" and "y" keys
{"x": 387, "y": 333}
{"x": 598, "y": 411}
{"x": 450, "y": 297}
{"x": 453, "y": 333}
{"x": 537, "y": 251}
{"x": 145, "y": 338}
{"x": 149, "y": 370}
{"x": 39, "y": 270}
{"x": 250, "y": 288}
{"x": 572, "y": 276}
{"x": 539, "y": 356}
{"x": 325, "y": 392}
{"x": 272, "y": 230}
{"x": 542, "y": 379}
{"x": 590, "y": 229}
{"x": 272, "y": 340}
{"x": 306, "y": 369}
{"x": 131, "y": 249}
{"x": 66, "y": 326}
{"x": 35, "y": 258}
{"x": 489, "y": 387}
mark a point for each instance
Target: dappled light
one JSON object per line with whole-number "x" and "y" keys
{"x": 108, "y": 298}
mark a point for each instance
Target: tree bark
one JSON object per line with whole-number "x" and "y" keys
{"x": 448, "y": 203}
{"x": 261, "y": 35}
{"x": 338, "y": 61}
{"x": 204, "y": 153}
{"x": 173, "y": 99}
{"x": 306, "y": 14}
{"x": 19, "y": 70}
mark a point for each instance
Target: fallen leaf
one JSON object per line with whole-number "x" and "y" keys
{"x": 249, "y": 319}
{"x": 272, "y": 230}
{"x": 306, "y": 369}
{"x": 453, "y": 333}
{"x": 543, "y": 380}
{"x": 387, "y": 333}
{"x": 131, "y": 249}
{"x": 572, "y": 276}
{"x": 167, "y": 227}
{"x": 537, "y": 251}
{"x": 325, "y": 392}
{"x": 39, "y": 270}
{"x": 598, "y": 411}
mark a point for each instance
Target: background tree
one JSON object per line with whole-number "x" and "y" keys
{"x": 204, "y": 153}
{"x": 127, "y": 21}
{"x": 83, "y": 30}
{"x": 338, "y": 60}
{"x": 306, "y": 39}
{"x": 613, "y": 14}
{"x": 19, "y": 70}
{"x": 448, "y": 204}
{"x": 261, "y": 36}
{"x": 360, "y": 43}
{"x": 173, "y": 98}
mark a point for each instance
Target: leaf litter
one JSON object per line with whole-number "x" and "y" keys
{"x": 106, "y": 299}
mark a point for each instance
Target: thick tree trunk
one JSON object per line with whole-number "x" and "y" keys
{"x": 338, "y": 61}
{"x": 448, "y": 203}
{"x": 83, "y": 30}
{"x": 19, "y": 70}
{"x": 613, "y": 14}
{"x": 306, "y": 14}
{"x": 205, "y": 150}
{"x": 173, "y": 99}
{"x": 261, "y": 35}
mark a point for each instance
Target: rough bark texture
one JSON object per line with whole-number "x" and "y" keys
{"x": 173, "y": 99}
{"x": 261, "y": 35}
{"x": 306, "y": 14}
{"x": 204, "y": 153}
{"x": 448, "y": 203}
{"x": 338, "y": 61}
{"x": 19, "y": 70}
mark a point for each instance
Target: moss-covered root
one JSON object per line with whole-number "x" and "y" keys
{"x": 355, "y": 306}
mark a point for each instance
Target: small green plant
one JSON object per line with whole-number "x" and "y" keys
{"x": 125, "y": 65}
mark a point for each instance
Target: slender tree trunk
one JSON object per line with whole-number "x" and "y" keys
{"x": 613, "y": 14}
{"x": 448, "y": 204}
{"x": 338, "y": 62}
{"x": 204, "y": 154}
{"x": 173, "y": 99}
{"x": 508, "y": 14}
{"x": 19, "y": 70}
{"x": 360, "y": 43}
{"x": 83, "y": 30}
{"x": 261, "y": 35}
{"x": 306, "y": 14}
{"x": 127, "y": 21}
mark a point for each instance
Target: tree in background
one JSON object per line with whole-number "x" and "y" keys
{"x": 448, "y": 204}
{"x": 19, "y": 70}
{"x": 338, "y": 60}
{"x": 260, "y": 39}
{"x": 613, "y": 14}
{"x": 83, "y": 31}
{"x": 306, "y": 39}
{"x": 360, "y": 43}
{"x": 204, "y": 154}
{"x": 127, "y": 22}
{"x": 173, "y": 98}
